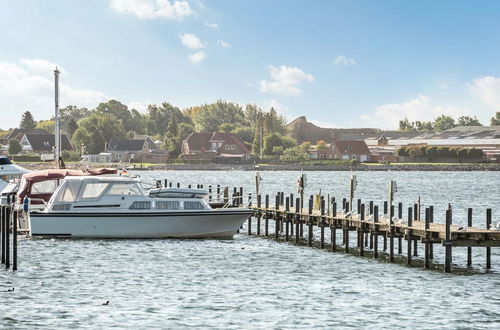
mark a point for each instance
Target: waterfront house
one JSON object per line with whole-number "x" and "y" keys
{"x": 42, "y": 143}
{"x": 140, "y": 149}
{"x": 353, "y": 150}
{"x": 214, "y": 146}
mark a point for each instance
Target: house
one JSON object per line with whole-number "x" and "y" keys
{"x": 140, "y": 149}
{"x": 214, "y": 146}
{"x": 324, "y": 152}
{"x": 340, "y": 149}
{"x": 354, "y": 150}
{"x": 20, "y": 131}
{"x": 42, "y": 143}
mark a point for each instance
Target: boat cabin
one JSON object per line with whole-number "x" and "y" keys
{"x": 116, "y": 194}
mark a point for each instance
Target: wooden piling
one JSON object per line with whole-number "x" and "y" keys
{"x": 415, "y": 218}
{"x": 309, "y": 222}
{"x": 447, "y": 242}
{"x": 14, "y": 240}
{"x": 259, "y": 214}
{"x": 375, "y": 234}
{"x": 2, "y": 236}
{"x": 488, "y": 249}
{"x": 266, "y": 217}
{"x": 297, "y": 220}
{"x": 361, "y": 230}
{"x": 426, "y": 238}
{"x": 287, "y": 223}
{"x": 7, "y": 233}
{"x": 322, "y": 224}
{"x": 408, "y": 236}
{"x": 469, "y": 249}
{"x": 333, "y": 227}
{"x": 391, "y": 233}
{"x": 431, "y": 220}
{"x": 276, "y": 218}
{"x": 400, "y": 238}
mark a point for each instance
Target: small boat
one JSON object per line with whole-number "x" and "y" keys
{"x": 116, "y": 207}
{"x": 9, "y": 173}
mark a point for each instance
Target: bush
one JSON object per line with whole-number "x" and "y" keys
{"x": 70, "y": 156}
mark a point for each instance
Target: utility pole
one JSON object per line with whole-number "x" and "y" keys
{"x": 57, "y": 135}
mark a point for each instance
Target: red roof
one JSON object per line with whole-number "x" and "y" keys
{"x": 351, "y": 147}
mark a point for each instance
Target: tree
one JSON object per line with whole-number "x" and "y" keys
{"x": 211, "y": 116}
{"x": 97, "y": 129}
{"x": 46, "y": 125}
{"x": 14, "y": 147}
{"x": 71, "y": 127}
{"x": 321, "y": 145}
{"x": 158, "y": 118}
{"x": 226, "y": 127}
{"x": 443, "y": 123}
{"x": 495, "y": 121}
{"x": 468, "y": 121}
{"x": 405, "y": 125}
{"x": 246, "y": 134}
{"x": 27, "y": 121}
{"x": 275, "y": 140}
{"x": 297, "y": 153}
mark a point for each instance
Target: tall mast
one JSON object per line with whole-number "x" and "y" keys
{"x": 57, "y": 134}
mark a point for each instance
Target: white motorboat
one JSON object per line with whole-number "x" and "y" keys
{"x": 116, "y": 207}
{"x": 8, "y": 174}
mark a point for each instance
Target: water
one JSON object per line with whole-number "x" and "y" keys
{"x": 251, "y": 282}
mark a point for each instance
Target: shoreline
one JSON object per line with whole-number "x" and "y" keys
{"x": 282, "y": 167}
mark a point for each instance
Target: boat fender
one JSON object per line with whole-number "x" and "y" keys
{"x": 26, "y": 204}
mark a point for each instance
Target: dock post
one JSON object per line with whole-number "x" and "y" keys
{"x": 371, "y": 207}
{"x": 210, "y": 193}
{"x": 391, "y": 233}
{"x": 297, "y": 220}
{"x": 427, "y": 226}
{"x": 249, "y": 224}
{"x": 218, "y": 192}
{"x": 447, "y": 241}
{"x": 469, "y": 249}
{"x": 322, "y": 224}
{"x": 165, "y": 183}
{"x": 362, "y": 230}
{"x": 266, "y": 219}
{"x": 14, "y": 241}
{"x": 408, "y": 236}
{"x": 259, "y": 205}
{"x": 375, "y": 235}
{"x": 170, "y": 184}
{"x": 359, "y": 205}
{"x": 488, "y": 249}
{"x": 400, "y": 238}
{"x": 431, "y": 220}
{"x": 178, "y": 184}
{"x": 386, "y": 208}
{"x": 287, "y": 223}
{"x": 415, "y": 242}
{"x": 309, "y": 222}
{"x": 7, "y": 232}
{"x": 346, "y": 230}
{"x": 276, "y": 217}
{"x": 333, "y": 227}
{"x": 226, "y": 195}
{"x": 343, "y": 204}
{"x": 2, "y": 237}
{"x": 240, "y": 200}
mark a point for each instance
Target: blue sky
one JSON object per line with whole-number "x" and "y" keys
{"x": 340, "y": 63}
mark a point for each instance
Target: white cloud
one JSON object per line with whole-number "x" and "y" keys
{"x": 41, "y": 65}
{"x": 223, "y": 43}
{"x": 191, "y": 41}
{"x": 285, "y": 80}
{"x": 23, "y": 88}
{"x": 197, "y": 57}
{"x": 342, "y": 60}
{"x": 152, "y": 9}
{"x": 211, "y": 25}
{"x": 487, "y": 89}
{"x": 421, "y": 108}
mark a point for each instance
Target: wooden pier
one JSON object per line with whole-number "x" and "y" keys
{"x": 369, "y": 227}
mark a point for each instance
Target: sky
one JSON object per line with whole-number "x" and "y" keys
{"x": 340, "y": 63}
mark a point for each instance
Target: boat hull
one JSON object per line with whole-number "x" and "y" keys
{"x": 206, "y": 224}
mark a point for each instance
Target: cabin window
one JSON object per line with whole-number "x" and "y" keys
{"x": 193, "y": 206}
{"x": 140, "y": 205}
{"x": 44, "y": 187}
{"x": 124, "y": 189}
{"x": 94, "y": 190}
{"x": 167, "y": 205}
{"x": 227, "y": 146}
